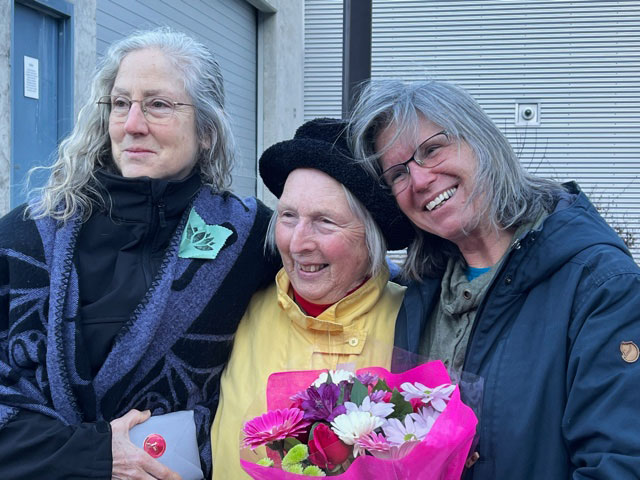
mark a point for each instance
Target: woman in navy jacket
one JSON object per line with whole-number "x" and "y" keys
{"x": 513, "y": 278}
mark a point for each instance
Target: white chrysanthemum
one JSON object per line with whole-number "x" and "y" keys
{"x": 379, "y": 409}
{"x": 398, "y": 432}
{"x": 424, "y": 419}
{"x": 337, "y": 376}
{"x": 436, "y": 397}
{"x": 351, "y": 426}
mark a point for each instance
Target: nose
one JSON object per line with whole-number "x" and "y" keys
{"x": 301, "y": 238}
{"x": 136, "y": 123}
{"x": 420, "y": 177}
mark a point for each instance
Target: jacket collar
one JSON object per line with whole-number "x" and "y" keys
{"x": 131, "y": 198}
{"x": 342, "y": 328}
{"x": 342, "y": 315}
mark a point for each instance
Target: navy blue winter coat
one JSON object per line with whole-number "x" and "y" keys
{"x": 560, "y": 401}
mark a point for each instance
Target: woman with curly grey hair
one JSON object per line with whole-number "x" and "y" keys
{"x": 124, "y": 279}
{"x": 513, "y": 278}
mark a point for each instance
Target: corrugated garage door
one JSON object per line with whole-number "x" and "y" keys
{"x": 322, "y": 58}
{"x": 229, "y": 29}
{"x": 579, "y": 61}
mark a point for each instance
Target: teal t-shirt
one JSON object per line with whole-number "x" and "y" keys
{"x": 474, "y": 272}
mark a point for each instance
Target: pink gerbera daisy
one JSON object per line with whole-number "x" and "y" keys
{"x": 373, "y": 442}
{"x": 273, "y": 425}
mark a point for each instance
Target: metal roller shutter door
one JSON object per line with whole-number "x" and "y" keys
{"x": 229, "y": 29}
{"x": 322, "y": 59}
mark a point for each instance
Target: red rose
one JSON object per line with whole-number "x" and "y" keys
{"x": 326, "y": 450}
{"x": 416, "y": 404}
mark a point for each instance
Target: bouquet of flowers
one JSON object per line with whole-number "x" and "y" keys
{"x": 364, "y": 424}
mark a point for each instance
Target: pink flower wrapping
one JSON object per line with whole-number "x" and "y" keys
{"x": 440, "y": 455}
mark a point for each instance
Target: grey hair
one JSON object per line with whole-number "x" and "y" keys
{"x": 506, "y": 194}
{"x": 374, "y": 239}
{"x": 69, "y": 189}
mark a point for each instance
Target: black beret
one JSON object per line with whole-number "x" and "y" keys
{"x": 322, "y": 144}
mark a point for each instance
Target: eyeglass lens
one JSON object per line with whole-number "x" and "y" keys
{"x": 155, "y": 109}
{"x": 427, "y": 155}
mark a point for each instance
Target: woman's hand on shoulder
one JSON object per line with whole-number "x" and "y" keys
{"x": 129, "y": 461}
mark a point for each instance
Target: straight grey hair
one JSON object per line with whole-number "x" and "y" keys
{"x": 374, "y": 239}
{"x": 507, "y": 195}
{"x": 69, "y": 188}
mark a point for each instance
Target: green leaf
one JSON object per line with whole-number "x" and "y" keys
{"x": 401, "y": 407}
{"x": 341, "y": 396}
{"x": 381, "y": 385}
{"x": 358, "y": 392}
{"x": 313, "y": 427}
{"x": 290, "y": 442}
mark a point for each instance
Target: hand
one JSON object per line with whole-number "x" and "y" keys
{"x": 129, "y": 461}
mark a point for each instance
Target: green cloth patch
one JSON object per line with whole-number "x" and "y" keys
{"x": 200, "y": 240}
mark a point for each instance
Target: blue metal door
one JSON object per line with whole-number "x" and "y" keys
{"x": 38, "y": 87}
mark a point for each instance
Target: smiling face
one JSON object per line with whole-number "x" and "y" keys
{"x": 435, "y": 199}
{"x": 140, "y": 148}
{"x": 321, "y": 241}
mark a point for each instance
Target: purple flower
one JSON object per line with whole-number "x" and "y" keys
{"x": 321, "y": 403}
{"x": 298, "y": 398}
{"x": 378, "y": 396}
{"x": 346, "y": 388}
{"x": 367, "y": 378}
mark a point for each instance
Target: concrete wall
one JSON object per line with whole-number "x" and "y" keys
{"x": 5, "y": 103}
{"x": 282, "y": 75}
{"x": 84, "y": 32}
{"x": 84, "y": 12}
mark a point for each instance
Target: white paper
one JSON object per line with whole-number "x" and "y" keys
{"x": 31, "y": 78}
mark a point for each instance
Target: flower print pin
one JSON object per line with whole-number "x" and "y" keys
{"x": 200, "y": 240}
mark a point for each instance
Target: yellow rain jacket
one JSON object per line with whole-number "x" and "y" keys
{"x": 276, "y": 335}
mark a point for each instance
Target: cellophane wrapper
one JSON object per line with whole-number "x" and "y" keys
{"x": 440, "y": 455}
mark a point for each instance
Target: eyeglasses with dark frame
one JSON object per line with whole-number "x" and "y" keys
{"x": 427, "y": 155}
{"x": 156, "y": 109}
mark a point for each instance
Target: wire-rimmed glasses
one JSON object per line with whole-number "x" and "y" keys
{"x": 428, "y": 155}
{"x": 156, "y": 109}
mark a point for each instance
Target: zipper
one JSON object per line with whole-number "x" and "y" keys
{"x": 161, "y": 217}
{"x": 158, "y": 221}
{"x": 516, "y": 245}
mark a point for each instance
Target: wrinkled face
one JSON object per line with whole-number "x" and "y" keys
{"x": 435, "y": 198}
{"x": 141, "y": 148}
{"x": 321, "y": 241}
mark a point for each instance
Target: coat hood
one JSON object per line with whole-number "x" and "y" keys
{"x": 574, "y": 230}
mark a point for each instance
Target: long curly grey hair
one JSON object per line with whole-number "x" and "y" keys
{"x": 69, "y": 189}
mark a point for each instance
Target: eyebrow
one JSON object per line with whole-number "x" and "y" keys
{"x": 314, "y": 214}
{"x": 145, "y": 93}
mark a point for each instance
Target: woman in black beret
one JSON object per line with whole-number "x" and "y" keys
{"x": 332, "y": 302}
